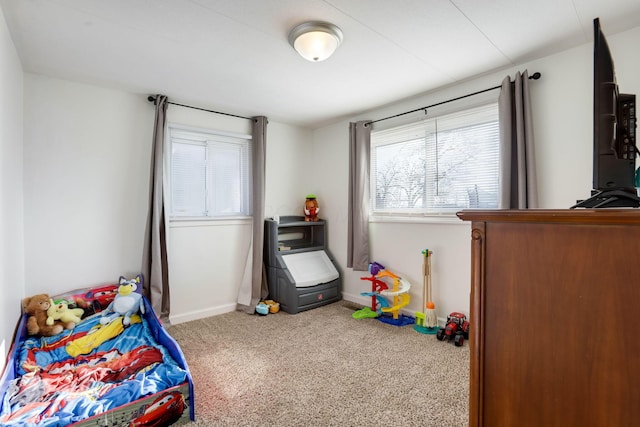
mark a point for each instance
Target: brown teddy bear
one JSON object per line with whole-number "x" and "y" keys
{"x": 36, "y": 308}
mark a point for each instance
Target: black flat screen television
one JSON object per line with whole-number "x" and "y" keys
{"x": 614, "y": 134}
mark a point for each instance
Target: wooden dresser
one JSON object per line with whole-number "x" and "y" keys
{"x": 555, "y": 315}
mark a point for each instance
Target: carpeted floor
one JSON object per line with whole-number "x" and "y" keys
{"x": 322, "y": 368}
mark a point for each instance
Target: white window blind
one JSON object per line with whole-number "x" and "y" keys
{"x": 437, "y": 165}
{"x": 210, "y": 174}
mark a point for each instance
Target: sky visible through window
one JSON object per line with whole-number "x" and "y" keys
{"x": 441, "y": 164}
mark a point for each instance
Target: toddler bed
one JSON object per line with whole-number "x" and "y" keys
{"x": 95, "y": 374}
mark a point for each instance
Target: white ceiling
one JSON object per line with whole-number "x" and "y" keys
{"x": 233, "y": 55}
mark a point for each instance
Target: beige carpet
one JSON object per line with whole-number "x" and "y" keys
{"x": 322, "y": 368}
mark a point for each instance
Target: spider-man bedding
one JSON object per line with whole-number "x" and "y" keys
{"x": 97, "y": 375}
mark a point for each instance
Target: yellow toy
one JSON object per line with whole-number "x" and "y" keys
{"x": 427, "y": 322}
{"x": 97, "y": 335}
{"x": 380, "y": 290}
{"x": 61, "y": 311}
{"x": 399, "y": 292}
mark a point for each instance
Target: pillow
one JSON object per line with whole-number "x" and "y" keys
{"x": 93, "y": 299}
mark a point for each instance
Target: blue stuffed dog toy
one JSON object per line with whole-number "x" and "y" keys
{"x": 126, "y": 303}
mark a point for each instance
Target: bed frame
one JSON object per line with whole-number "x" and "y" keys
{"x": 124, "y": 414}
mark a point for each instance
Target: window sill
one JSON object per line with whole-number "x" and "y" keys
{"x": 448, "y": 218}
{"x": 209, "y": 222}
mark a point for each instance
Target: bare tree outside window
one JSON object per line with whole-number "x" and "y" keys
{"x": 400, "y": 175}
{"x": 448, "y": 164}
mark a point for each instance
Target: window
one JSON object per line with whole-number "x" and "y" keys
{"x": 437, "y": 165}
{"x": 210, "y": 173}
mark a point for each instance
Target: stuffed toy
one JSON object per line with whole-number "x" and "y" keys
{"x": 36, "y": 308}
{"x": 70, "y": 317}
{"x": 311, "y": 208}
{"x": 126, "y": 303}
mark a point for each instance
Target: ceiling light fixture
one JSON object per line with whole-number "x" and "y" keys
{"x": 315, "y": 40}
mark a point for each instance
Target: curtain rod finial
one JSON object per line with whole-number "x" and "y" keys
{"x": 151, "y": 98}
{"x": 535, "y": 76}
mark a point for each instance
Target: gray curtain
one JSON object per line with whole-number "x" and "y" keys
{"x": 155, "y": 268}
{"x": 359, "y": 196}
{"x": 254, "y": 284}
{"x": 518, "y": 188}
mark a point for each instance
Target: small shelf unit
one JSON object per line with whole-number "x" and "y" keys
{"x": 301, "y": 273}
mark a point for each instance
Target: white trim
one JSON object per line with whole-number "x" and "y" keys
{"x": 201, "y": 314}
{"x": 197, "y": 129}
{"x": 417, "y": 219}
{"x": 209, "y": 222}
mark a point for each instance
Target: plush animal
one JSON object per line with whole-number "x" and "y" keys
{"x": 70, "y": 317}
{"x": 36, "y": 308}
{"x": 126, "y": 303}
{"x": 311, "y": 208}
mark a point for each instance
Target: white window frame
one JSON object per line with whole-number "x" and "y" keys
{"x": 411, "y": 132}
{"x": 236, "y": 144}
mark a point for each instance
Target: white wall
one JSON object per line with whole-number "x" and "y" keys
{"x": 86, "y": 165}
{"x": 207, "y": 258}
{"x": 11, "y": 190}
{"x": 290, "y": 169}
{"x": 563, "y": 107}
{"x": 87, "y": 159}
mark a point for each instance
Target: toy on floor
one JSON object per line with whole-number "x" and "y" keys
{"x": 401, "y": 298}
{"x": 427, "y": 322}
{"x": 377, "y": 285}
{"x": 262, "y": 308}
{"x": 367, "y": 312}
{"x": 456, "y": 329}
{"x": 267, "y": 306}
{"x": 126, "y": 303}
{"x": 398, "y": 297}
{"x": 274, "y": 307}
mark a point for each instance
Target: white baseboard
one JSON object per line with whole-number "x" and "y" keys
{"x": 356, "y": 298}
{"x": 201, "y": 314}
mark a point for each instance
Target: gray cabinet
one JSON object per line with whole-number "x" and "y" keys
{"x": 301, "y": 273}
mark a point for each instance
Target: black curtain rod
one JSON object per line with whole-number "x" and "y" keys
{"x": 153, "y": 99}
{"x": 534, "y": 76}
